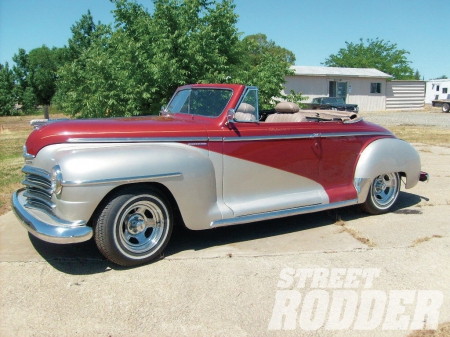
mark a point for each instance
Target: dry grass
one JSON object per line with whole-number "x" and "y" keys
{"x": 443, "y": 330}
{"x": 11, "y": 163}
{"x": 425, "y": 239}
{"x": 422, "y": 134}
{"x": 341, "y": 223}
{"x": 13, "y": 134}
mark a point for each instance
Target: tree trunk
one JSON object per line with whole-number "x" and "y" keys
{"x": 46, "y": 115}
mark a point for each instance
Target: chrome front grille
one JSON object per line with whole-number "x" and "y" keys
{"x": 38, "y": 189}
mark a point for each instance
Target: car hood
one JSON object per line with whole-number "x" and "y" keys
{"x": 126, "y": 129}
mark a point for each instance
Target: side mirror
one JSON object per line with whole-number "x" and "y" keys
{"x": 230, "y": 116}
{"x": 163, "y": 111}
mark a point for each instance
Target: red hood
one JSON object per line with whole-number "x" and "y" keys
{"x": 131, "y": 127}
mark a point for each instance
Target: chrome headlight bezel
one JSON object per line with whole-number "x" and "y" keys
{"x": 57, "y": 180}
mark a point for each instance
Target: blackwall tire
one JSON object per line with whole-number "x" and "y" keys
{"x": 134, "y": 226}
{"x": 383, "y": 193}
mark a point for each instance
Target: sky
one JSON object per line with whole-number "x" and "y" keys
{"x": 311, "y": 29}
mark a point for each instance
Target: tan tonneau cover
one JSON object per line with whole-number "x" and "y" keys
{"x": 330, "y": 115}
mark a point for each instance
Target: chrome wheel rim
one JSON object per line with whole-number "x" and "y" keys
{"x": 141, "y": 226}
{"x": 385, "y": 189}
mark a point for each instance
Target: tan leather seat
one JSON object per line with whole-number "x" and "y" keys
{"x": 286, "y": 112}
{"x": 245, "y": 112}
{"x": 285, "y": 118}
{"x": 287, "y": 107}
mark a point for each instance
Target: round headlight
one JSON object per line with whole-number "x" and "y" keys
{"x": 56, "y": 180}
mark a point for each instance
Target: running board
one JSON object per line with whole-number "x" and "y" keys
{"x": 280, "y": 214}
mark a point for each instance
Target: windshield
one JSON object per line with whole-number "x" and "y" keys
{"x": 200, "y": 101}
{"x": 333, "y": 100}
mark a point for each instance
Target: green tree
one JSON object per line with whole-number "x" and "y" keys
{"x": 21, "y": 70}
{"x": 7, "y": 97}
{"x": 417, "y": 75}
{"x": 265, "y": 65}
{"x": 28, "y": 100}
{"x": 23, "y": 90}
{"x": 43, "y": 66}
{"x": 134, "y": 67}
{"x": 378, "y": 54}
{"x": 35, "y": 74}
{"x": 257, "y": 46}
{"x": 83, "y": 34}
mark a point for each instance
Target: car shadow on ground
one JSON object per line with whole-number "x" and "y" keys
{"x": 84, "y": 258}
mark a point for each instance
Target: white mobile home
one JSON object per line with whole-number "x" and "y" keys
{"x": 437, "y": 89}
{"x": 365, "y": 87}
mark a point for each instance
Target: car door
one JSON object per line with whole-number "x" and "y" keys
{"x": 270, "y": 166}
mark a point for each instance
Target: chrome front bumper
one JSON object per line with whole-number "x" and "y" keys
{"x": 48, "y": 228}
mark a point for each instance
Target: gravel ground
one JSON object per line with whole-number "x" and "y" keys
{"x": 429, "y": 117}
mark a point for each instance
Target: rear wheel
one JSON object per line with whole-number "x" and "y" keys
{"x": 134, "y": 226}
{"x": 445, "y": 107}
{"x": 383, "y": 193}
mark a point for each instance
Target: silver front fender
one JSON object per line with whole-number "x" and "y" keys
{"x": 92, "y": 171}
{"x": 385, "y": 156}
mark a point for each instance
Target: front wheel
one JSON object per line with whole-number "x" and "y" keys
{"x": 382, "y": 194}
{"x": 134, "y": 226}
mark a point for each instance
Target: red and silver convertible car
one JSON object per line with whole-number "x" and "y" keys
{"x": 210, "y": 159}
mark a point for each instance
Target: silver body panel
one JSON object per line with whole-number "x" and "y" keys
{"x": 384, "y": 156}
{"x": 91, "y": 171}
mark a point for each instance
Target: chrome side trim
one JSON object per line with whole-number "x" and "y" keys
{"x": 354, "y": 134}
{"x": 226, "y": 139}
{"x": 306, "y": 136}
{"x": 120, "y": 180}
{"x": 216, "y": 139}
{"x": 61, "y": 231}
{"x": 138, "y": 140}
{"x": 259, "y": 138}
{"x": 280, "y": 214}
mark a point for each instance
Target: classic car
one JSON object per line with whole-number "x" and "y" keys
{"x": 331, "y": 103}
{"x": 208, "y": 160}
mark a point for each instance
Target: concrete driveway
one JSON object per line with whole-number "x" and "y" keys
{"x": 383, "y": 274}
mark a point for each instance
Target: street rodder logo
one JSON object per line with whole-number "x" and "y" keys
{"x": 341, "y": 298}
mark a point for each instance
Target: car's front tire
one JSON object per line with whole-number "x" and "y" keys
{"x": 383, "y": 193}
{"x": 134, "y": 226}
